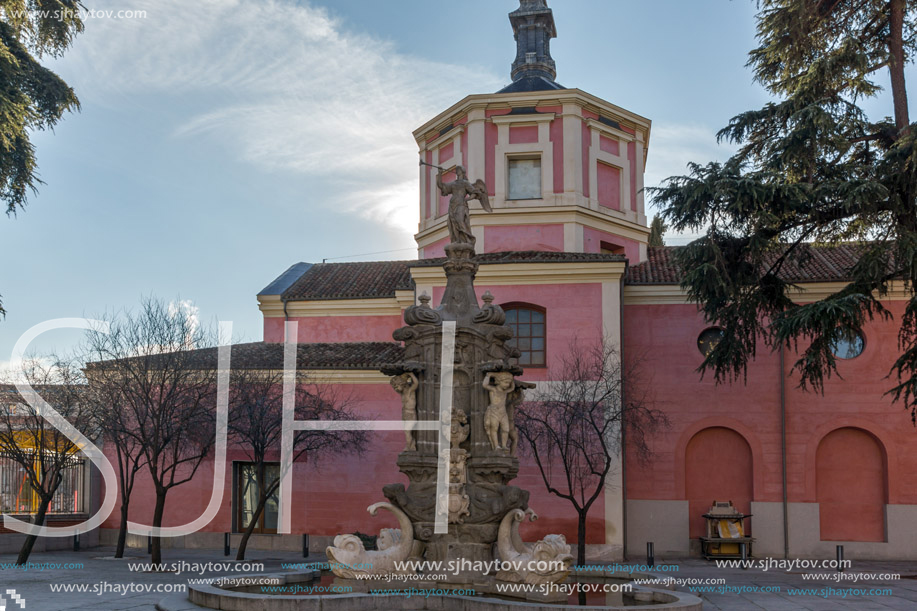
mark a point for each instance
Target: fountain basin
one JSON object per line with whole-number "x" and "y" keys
{"x": 243, "y": 594}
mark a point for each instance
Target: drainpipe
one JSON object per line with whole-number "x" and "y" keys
{"x": 786, "y": 534}
{"x": 286, "y": 317}
{"x": 623, "y": 446}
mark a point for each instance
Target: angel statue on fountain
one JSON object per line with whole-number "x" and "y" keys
{"x": 460, "y": 191}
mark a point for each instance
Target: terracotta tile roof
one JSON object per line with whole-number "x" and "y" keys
{"x": 813, "y": 264}
{"x": 378, "y": 279}
{"x": 361, "y": 280}
{"x": 269, "y": 355}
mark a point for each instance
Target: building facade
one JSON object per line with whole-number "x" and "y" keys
{"x": 565, "y": 252}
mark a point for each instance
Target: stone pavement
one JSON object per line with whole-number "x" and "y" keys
{"x": 100, "y": 572}
{"x": 824, "y": 594}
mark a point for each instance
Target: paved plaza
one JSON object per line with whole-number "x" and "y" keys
{"x": 104, "y": 580}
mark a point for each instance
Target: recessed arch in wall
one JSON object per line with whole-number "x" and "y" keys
{"x": 851, "y": 482}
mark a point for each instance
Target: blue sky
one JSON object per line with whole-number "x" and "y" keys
{"x": 220, "y": 141}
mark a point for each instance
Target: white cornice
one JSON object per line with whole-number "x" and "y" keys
{"x": 544, "y": 272}
{"x": 540, "y": 216}
{"x": 445, "y": 138}
{"x": 349, "y": 376}
{"x": 541, "y": 117}
{"x": 536, "y": 98}
{"x": 272, "y": 306}
{"x": 658, "y": 294}
{"x": 611, "y": 131}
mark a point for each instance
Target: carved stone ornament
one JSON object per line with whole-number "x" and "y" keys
{"x": 496, "y": 420}
{"x": 349, "y": 558}
{"x": 547, "y": 561}
{"x": 490, "y": 314}
{"x": 406, "y": 385}
{"x": 422, "y": 314}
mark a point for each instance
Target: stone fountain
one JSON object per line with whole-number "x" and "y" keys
{"x": 459, "y": 392}
{"x": 474, "y": 438}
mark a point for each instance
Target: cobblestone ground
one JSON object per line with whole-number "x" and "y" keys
{"x": 823, "y": 593}
{"x": 105, "y": 579}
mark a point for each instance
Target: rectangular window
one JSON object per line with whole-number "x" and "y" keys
{"x": 17, "y": 496}
{"x": 249, "y": 482}
{"x": 524, "y": 178}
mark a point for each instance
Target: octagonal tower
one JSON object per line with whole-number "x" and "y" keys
{"x": 564, "y": 168}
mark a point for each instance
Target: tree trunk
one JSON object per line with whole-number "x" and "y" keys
{"x": 156, "y": 556}
{"x": 262, "y": 502}
{"x": 896, "y": 65}
{"x": 122, "y": 530}
{"x": 29, "y": 542}
{"x": 581, "y": 539}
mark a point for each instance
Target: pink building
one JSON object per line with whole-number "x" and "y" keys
{"x": 565, "y": 253}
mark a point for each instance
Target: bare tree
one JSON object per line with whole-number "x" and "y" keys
{"x": 574, "y": 426}
{"x": 256, "y": 427}
{"x": 45, "y": 456}
{"x": 107, "y": 396}
{"x": 150, "y": 362}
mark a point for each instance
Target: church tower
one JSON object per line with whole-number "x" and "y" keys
{"x": 564, "y": 169}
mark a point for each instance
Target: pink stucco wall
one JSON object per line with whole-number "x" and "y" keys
{"x": 315, "y": 329}
{"x": 609, "y": 146}
{"x": 665, "y": 337}
{"x": 593, "y": 238}
{"x": 609, "y": 186}
{"x": 632, "y": 162}
{"x": 499, "y": 238}
{"x": 587, "y": 144}
{"x": 573, "y": 310}
{"x": 523, "y": 135}
{"x": 436, "y": 249}
{"x": 446, "y": 152}
{"x": 556, "y": 134}
{"x": 330, "y": 496}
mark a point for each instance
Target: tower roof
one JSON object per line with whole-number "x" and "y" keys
{"x": 534, "y": 68}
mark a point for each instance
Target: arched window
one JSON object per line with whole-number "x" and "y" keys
{"x": 528, "y": 324}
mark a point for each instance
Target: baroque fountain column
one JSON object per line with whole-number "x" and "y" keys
{"x": 479, "y": 491}
{"x": 479, "y": 494}
{"x": 474, "y": 441}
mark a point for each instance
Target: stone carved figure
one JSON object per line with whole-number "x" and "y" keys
{"x": 349, "y": 558}
{"x": 456, "y": 502}
{"x": 496, "y": 420}
{"x": 459, "y": 192}
{"x": 459, "y": 429}
{"x": 547, "y": 561}
{"x": 406, "y": 385}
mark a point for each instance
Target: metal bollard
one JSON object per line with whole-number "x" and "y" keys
{"x": 840, "y": 558}
{"x": 650, "y": 556}
{"x": 76, "y": 541}
{"x": 149, "y": 544}
{"x": 225, "y": 544}
{"x": 743, "y": 551}
{"x": 305, "y": 545}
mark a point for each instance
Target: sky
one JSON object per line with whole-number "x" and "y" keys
{"x": 221, "y": 141}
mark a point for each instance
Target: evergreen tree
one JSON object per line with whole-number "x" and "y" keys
{"x": 657, "y": 231}
{"x": 812, "y": 168}
{"x": 31, "y": 96}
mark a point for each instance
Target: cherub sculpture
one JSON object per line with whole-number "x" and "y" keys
{"x": 459, "y": 192}
{"x": 406, "y": 385}
{"x": 496, "y": 419}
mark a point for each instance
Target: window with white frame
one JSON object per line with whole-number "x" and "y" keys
{"x": 524, "y": 178}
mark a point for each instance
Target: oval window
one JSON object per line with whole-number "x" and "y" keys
{"x": 708, "y": 339}
{"x": 849, "y": 346}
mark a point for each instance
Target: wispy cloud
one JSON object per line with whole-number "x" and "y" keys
{"x": 672, "y": 147}
{"x": 287, "y": 87}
